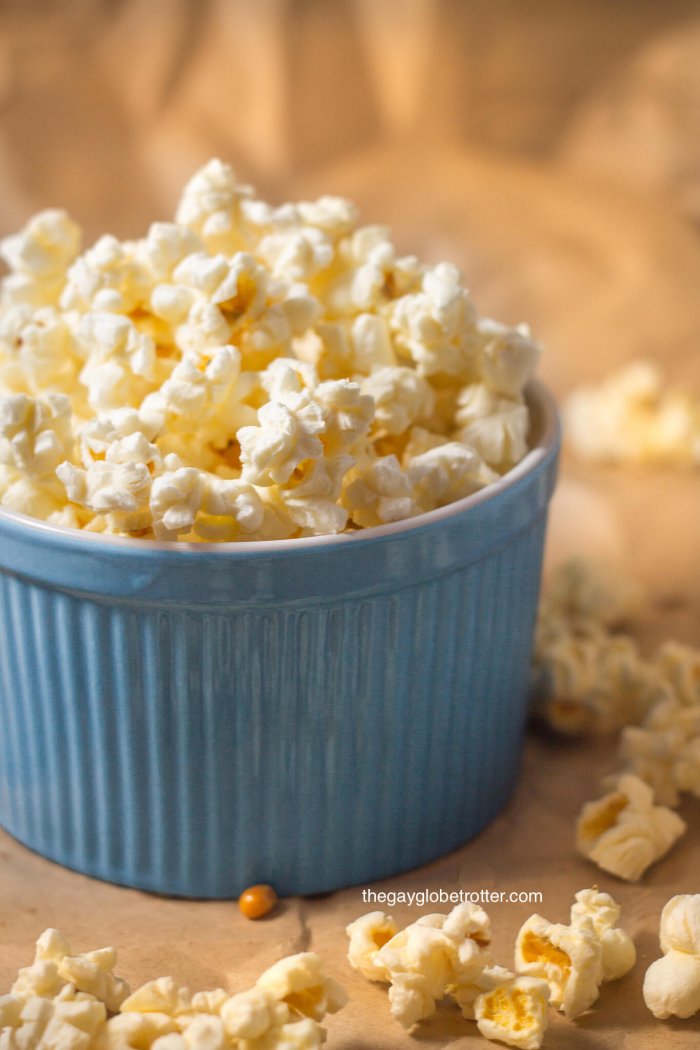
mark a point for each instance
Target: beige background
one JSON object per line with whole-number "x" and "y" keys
{"x": 551, "y": 148}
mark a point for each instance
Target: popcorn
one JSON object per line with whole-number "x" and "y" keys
{"x": 56, "y": 973}
{"x": 596, "y": 683}
{"x": 38, "y": 257}
{"x": 119, "y": 486}
{"x": 587, "y": 679}
{"x": 680, "y": 924}
{"x": 436, "y": 327}
{"x": 347, "y": 414}
{"x": 62, "y": 1002}
{"x": 509, "y": 356}
{"x": 367, "y": 935}
{"x": 433, "y": 957}
{"x": 618, "y": 951}
{"x": 496, "y": 427}
{"x": 282, "y": 348}
{"x": 448, "y": 472}
{"x": 108, "y": 277}
{"x": 35, "y": 433}
{"x": 378, "y": 491}
{"x": 401, "y": 397}
{"x": 287, "y": 435}
{"x": 298, "y": 981}
{"x": 37, "y": 350}
{"x": 574, "y": 960}
{"x": 466, "y": 993}
{"x": 515, "y": 1012}
{"x": 296, "y": 254}
{"x": 568, "y": 958}
{"x": 624, "y": 832}
{"x": 165, "y": 247}
{"x": 680, "y": 665}
{"x": 210, "y": 206}
{"x": 631, "y": 418}
{"x": 175, "y": 499}
{"x": 284, "y": 1009}
{"x": 120, "y": 367}
{"x": 672, "y": 983}
{"x": 310, "y": 502}
{"x": 53, "y": 1024}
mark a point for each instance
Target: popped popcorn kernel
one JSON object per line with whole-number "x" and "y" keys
{"x": 514, "y": 1013}
{"x": 367, "y": 935}
{"x": 618, "y": 951}
{"x": 568, "y": 958}
{"x": 38, "y": 257}
{"x": 624, "y": 832}
{"x": 284, "y": 348}
{"x": 672, "y": 983}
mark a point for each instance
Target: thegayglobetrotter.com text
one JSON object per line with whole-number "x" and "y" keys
{"x": 422, "y": 897}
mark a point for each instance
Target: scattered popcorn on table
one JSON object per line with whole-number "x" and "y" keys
{"x": 63, "y": 1002}
{"x": 434, "y": 957}
{"x": 284, "y": 352}
{"x": 672, "y": 983}
{"x": 587, "y": 680}
{"x": 575, "y": 960}
{"x": 630, "y": 417}
{"x": 515, "y": 1012}
{"x": 283, "y": 1009}
{"x": 624, "y": 832}
{"x": 54, "y": 968}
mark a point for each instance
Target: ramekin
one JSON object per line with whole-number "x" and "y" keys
{"x": 313, "y": 713}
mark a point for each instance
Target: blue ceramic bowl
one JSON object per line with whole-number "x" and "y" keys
{"x": 312, "y": 713}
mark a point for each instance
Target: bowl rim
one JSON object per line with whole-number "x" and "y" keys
{"x": 549, "y": 429}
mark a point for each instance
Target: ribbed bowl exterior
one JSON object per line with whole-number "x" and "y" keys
{"x": 195, "y": 722}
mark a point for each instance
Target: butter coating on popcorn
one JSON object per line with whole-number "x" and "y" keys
{"x": 285, "y": 350}
{"x": 624, "y": 832}
{"x": 672, "y": 983}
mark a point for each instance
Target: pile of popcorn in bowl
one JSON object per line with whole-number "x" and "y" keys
{"x": 247, "y": 372}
